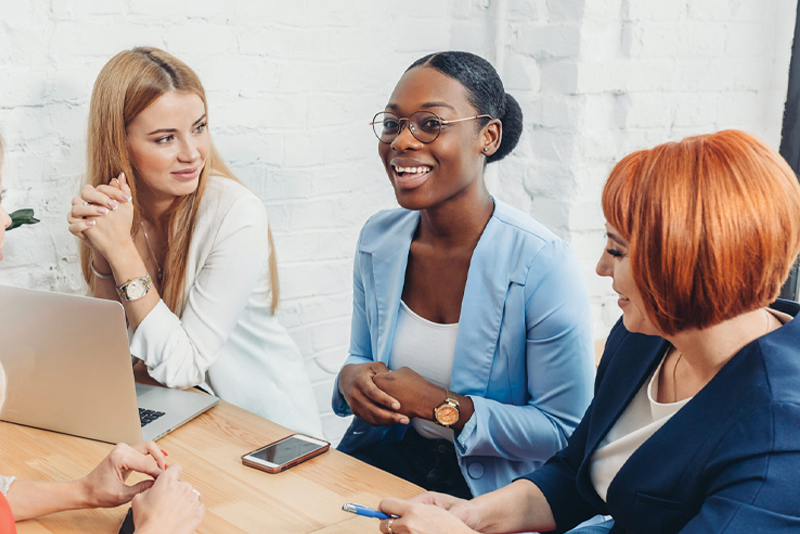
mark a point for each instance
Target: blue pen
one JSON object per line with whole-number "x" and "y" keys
{"x": 365, "y": 511}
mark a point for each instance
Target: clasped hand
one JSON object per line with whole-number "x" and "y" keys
{"x": 102, "y": 216}
{"x": 382, "y": 397}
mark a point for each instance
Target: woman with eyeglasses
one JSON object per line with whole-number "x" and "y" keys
{"x": 167, "y": 230}
{"x": 695, "y": 423}
{"x": 471, "y": 351}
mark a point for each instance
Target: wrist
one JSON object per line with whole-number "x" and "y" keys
{"x": 82, "y": 494}
{"x": 127, "y": 264}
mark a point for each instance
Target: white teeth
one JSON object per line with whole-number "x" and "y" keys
{"x": 411, "y": 170}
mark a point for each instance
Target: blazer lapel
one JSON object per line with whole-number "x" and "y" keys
{"x": 481, "y": 315}
{"x": 389, "y": 262}
{"x": 637, "y": 357}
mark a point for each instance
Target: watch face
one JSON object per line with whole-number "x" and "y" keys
{"x": 135, "y": 290}
{"x": 447, "y": 415}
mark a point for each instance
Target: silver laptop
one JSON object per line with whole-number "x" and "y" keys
{"x": 69, "y": 370}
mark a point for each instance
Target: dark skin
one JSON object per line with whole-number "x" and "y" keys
{"x": 454, "y": 207}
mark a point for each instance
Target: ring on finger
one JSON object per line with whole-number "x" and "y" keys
{"x": 389, "y": 525}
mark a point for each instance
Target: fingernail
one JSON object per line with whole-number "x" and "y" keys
{"x": 164, "y": 452}
{"x": 111, "y": 204}
{"x": 90, "y": 223}
{"x": 165, "y": 466}
{"x": 128, "y": 199}
{"x": 102, "y": 210}
{"x": 122, "y": 175}
{"x": 152, "y": 483}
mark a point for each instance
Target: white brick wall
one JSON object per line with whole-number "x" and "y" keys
{"x": 292, "y": 85}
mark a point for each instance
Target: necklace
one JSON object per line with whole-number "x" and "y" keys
{"x": 674, "y": 378}
{"x": 152, "y": 254}
{"x": 680, "y": 355}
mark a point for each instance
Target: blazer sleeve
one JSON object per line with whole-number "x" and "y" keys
{"x": 179, "y": 350}
{"x": 558, "y": 477}
{"x": 752, "y": 479}
{"x": 559, "y": 359}
{"x": 360, "y": 339}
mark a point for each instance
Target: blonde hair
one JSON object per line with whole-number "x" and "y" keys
{"x": 126, "y": 86}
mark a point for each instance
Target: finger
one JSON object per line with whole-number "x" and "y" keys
{"x": 96, "y": 196}
{"x": 113, "y": 192}
{"x": 376, "y": 415}
{"x": 148, "y": 447}
{"x": 378, "y": 396}
{"x": 129, "y": 492}
{"x": 78, "y": 228}
{"x": 90, "y": 210}
{"x": 173, "y": 472}
{"x": 133, "y": 460}
{"x": 123, "y": 181}
{"x": 379, "y": 367}
{"x": 431, "y": 497}
{"x": 393, "y": 506}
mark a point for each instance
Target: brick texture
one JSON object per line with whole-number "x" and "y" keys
{"x": 292, "y": 85}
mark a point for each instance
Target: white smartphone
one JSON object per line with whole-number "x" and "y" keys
{"x": 283, "y": 454}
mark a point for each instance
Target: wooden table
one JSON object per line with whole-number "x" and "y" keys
{"x": 306, "y": 498}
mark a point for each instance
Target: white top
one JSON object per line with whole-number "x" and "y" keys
{"x": 427, "y": 348}
{"x": 640, "y": 420}
{"x": 227, "y": 338}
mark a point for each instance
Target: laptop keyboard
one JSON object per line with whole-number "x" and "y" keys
{"x": 148, "y": 416}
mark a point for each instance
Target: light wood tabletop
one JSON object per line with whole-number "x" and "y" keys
{"x": 306, "y": 498}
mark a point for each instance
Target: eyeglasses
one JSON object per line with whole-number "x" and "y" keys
{"x": 425, "y": 126}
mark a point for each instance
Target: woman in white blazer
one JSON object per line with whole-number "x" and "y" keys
{"x": 168, "y": 231}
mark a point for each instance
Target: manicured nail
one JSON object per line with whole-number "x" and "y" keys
{"x": 127, "y": 198}
{"x": 165, "y": 466}
{"x": 90, "y": 223}
{"x": 122, "y": 175}
{"x": 111, "y": 204}
{"x": 164, "y": 452}
{"x": 102, "y": 210}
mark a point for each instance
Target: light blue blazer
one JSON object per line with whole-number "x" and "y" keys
{"x": 523, "y": 353}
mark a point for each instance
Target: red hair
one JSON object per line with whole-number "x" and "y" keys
{"x": 713, "y": 226}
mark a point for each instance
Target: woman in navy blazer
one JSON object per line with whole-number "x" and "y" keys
{"x": 702, "y": 233}
{"x": 468, "y": 270}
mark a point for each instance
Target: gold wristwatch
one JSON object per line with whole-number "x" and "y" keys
{"x": 135, "y": 288}
{"x": 447, "y": 414}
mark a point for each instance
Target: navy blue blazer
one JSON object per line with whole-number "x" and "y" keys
{"x": 728, "y": 461}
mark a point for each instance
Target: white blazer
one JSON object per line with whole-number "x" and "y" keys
{"x": 227, "y": 339}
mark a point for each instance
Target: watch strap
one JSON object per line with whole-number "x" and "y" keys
{"x": 122, "y": 290}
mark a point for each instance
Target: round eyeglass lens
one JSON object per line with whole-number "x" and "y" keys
{"x": 386, "y": 126}
{"x": 425, "y": 126}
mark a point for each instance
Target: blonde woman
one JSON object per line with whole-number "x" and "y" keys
{"x": 168, "y": 231}
{"x": 166, "y": 505}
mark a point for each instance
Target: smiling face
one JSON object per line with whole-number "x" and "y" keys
{"x": 425, "y": 175}
{"x": 616, "y": 264}
{"x": 169, "y": 143}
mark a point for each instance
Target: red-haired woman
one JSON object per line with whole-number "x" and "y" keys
{"x": 695, "y": 424}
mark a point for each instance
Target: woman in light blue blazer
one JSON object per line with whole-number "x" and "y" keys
{"x": 471, "y": 356}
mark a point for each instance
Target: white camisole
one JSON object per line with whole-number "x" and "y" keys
{"x": 427, "y": 348}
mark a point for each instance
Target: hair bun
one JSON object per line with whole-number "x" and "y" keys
{"x": 512, "y": 129}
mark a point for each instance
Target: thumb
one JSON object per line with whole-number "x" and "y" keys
{"x": 393, "y": 506}
{"x": 129, "y": 492}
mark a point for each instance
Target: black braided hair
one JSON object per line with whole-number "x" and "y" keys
{"x": 484, "y": 91}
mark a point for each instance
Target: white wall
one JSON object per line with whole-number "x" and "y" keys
{"x": 293, "y": 83}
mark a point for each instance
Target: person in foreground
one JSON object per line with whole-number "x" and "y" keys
{"x": 169, "y": 232}
{"x": 163, "y": 506}
{"x": 471, "y": 320}
{"x": 695, "y": 423}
